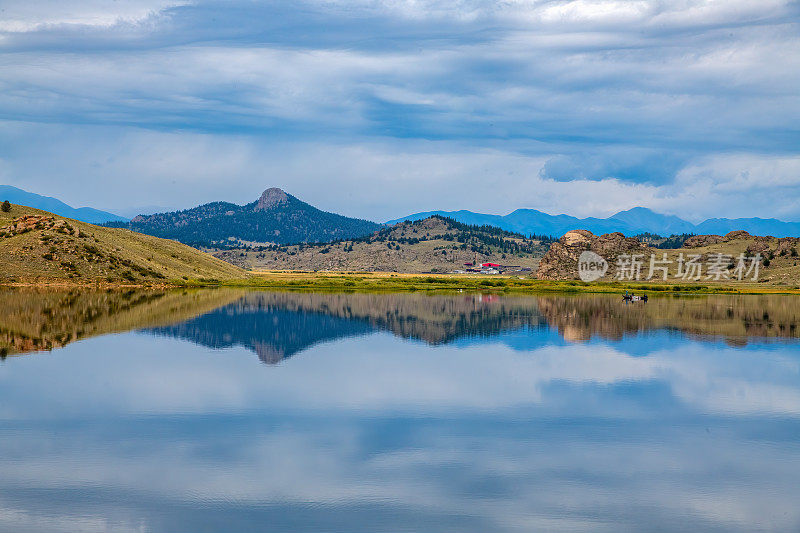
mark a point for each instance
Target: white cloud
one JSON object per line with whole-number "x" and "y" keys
{"x": 376, "y": 98}
{"x": 26, "y": 16}
{"x": 375, "y": 180}
{"x": 372, "y": 180}
{"x": 393, "y": 377}
{"x": 734, "y": 186}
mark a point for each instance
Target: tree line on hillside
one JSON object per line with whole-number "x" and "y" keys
{"x": 479, "y": 239}
{"x": 665, "y": 243}
{"x": 226, "y": 225}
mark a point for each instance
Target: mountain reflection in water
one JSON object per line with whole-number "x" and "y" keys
{"x": 408, "y": 412}
{"x": 278, "y": 325}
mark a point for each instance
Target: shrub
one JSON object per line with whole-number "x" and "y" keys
{"x": 92, "y": 249}
{"x": 6, "y": 206}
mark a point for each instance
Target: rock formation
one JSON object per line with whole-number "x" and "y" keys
{"x": 561, "y": 261}
{"x": 28, "y": 223}
{"x": 270, "y": 198}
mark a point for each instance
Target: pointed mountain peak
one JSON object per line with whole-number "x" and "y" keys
{"x": 270, "y": 198}
{"x": 635, "y": 211}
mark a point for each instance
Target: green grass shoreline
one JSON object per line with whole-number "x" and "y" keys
{"x": 369, "y": 282}
{"x": 410, "y": 283}
{"x": 512, "y": 286}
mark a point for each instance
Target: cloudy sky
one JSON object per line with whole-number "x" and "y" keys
{"x": 380, "y": 108}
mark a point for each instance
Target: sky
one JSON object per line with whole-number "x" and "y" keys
{"x": 381, "y": 108}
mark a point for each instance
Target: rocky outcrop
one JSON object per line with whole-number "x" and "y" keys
{"x": 771, "y": 245}
{"x": 561, "y": 261}
{"x": 733, "y": 235}
{"x": 786, "y": 245}
{"x": 270, "y": 198}
{"x": 758, "y": 244}
{"x": 28, "y": 223}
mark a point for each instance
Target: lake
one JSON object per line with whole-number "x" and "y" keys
{"x": 232, "y": 410}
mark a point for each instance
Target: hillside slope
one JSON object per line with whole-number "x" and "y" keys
{"x": 435, "y": 244}
{"x": 39, "y": 246}
{"x": 275, "y": 218}
{"x": 56, "y": 206}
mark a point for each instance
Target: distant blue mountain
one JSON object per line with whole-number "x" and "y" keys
{"x": 755, "y": 226}
{"x": 630, "y": 222}
{"x": 644, "y": 220}
{"x": 46, "y": 203}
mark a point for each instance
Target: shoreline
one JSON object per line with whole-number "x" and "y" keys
{"x": 404, "y": 282}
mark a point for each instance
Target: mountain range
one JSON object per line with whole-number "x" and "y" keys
{"x": 53, "y": 205}
{"x": 631, "y": 222}
{"x": 280, "y": 218}
{"x": 275, "y": 218}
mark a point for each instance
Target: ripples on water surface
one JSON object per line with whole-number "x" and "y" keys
{"x": 227, "y": 410}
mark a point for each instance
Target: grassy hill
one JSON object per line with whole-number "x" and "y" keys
{"x": 434, "y": 244}
{"x": 780, "y": 264}
{"x": 37, "y": 246}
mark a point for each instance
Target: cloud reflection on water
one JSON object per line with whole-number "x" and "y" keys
{"x": 135, "y": 431}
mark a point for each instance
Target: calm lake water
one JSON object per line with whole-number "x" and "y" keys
{"x": 232, "y": 410}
